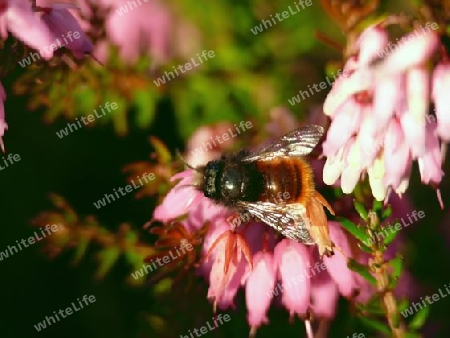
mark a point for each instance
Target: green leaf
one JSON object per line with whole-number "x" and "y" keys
{"x": 403, "y": 305}
{"x": 361, "y": 210}
{"x": 373, "y": 308}
{"x": 353, "y": 229}
{"x": 420, "y": 318}
{"x": 80, "y": 251}
{"x": 377, "y": 206}
{"x": 163, "y": 287}
{"x": 365, "y": 248}
{"x": 387, "y": 212}
{"x": 375, "y": 324}
{"x": 362, "y": 270}
{"x": 144, "y": 100}
{"x": 85, "y": 99}
{"x": 397, "y": 266}
{"x": 391, "y": 235}
{"x": 107, "y": 258}
{"x": 412, "y": 335}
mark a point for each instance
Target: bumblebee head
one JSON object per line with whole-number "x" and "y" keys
{"x": 211, "y": 179}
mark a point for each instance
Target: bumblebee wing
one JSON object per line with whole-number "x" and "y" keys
{"x": 283, "y": 218}
{"x": 297, "y": 143}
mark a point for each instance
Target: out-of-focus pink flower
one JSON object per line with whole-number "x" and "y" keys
{"x": 18, "y": 17}
{"x": 282, "y": 121}
{"x": 379, "y": 115}
{"x": 66, "y": 28}
{"x": 137, "y": 29}
{"x": 207, "y": 143}
{"x": 441, "y": 84}
{"x": 260, "y": 283}
{"x": 370, "y": 42}
{"x": 412, "y": 53}
{"x": 292, "y": 259}
{"x": 3, "y": 124}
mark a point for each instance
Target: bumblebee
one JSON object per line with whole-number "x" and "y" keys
{"x": 253, "y": 182}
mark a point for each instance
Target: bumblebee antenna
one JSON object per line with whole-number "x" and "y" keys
{"x": 184, "y": 161}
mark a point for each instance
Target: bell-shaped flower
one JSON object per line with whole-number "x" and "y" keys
{"x": 67, "y": 30}
{"x": 18, "y": 17}
{"x": 292, "y": 259}
{"x": 259, "y": 285}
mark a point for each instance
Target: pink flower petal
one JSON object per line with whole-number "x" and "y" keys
{"x": 179, "y": 200}
{"x": 259, "y": 287}
{"x": 414, "y": 50}
{"x": 22, "y": 22}
{"x": 292, "y": 260}
{"x": 430, "y": 164}
{"x": 337, "y": 264}
{"x": 441, "y": 84}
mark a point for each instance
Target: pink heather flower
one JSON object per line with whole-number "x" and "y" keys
{"x": 292, "y": 259}
{"x": 228, "y": 269}
{"x": 179, "y": 200}
{"x": 259, "y": 285}
{"x": 18, "y": 17}
{"x": 337, "y": 264}
{"x": 441, "y": 83}
{"x": 370, "y": 42}
{"x": 324, "y": 295}
{"x": 379, "y": 115}
{"x": 430, "y": 163}
{"x": 3, "y": 124}
{"x": 146, "y": 29}
{"x": 207, "y": 143}
{"x": 396, "y": 149}
{"x": 66, "y": 28}
{"x": 417, "y": 49}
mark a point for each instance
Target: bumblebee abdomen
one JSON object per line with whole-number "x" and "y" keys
{"x": 286, "y": 180}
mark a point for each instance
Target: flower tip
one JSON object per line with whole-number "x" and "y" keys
{"x": 439, "y": 197}
{"x": 252, "y": 333}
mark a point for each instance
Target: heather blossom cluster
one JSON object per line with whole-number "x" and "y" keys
{"x": 252, "y": 257}
{"x": 380, "y": 120}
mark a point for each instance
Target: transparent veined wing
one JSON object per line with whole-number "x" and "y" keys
{"x": 297, "y": 143}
